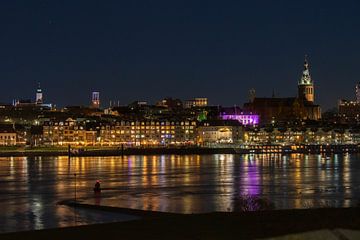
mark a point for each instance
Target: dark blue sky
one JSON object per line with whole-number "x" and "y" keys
{"x": 148, "y": 50}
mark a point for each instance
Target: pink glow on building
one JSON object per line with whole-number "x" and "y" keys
{"x": 244, "y": 119}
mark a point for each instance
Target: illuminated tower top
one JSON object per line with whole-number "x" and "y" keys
{"x": 305, "y": 78}
{"x": 357, "y": 89}
{"x": 306, "y": 85}
{"x": 39, "y": 95}
{"x": 95, "y": 100}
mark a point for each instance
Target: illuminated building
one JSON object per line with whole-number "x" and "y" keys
{"x": 39, "y": 95}
{"x": 244, "y": 119}
{"x": 170, "y": 103}
{"x": 291, "y": 108}
{"x": 95, "y": 100}
{"x": 148, "y": 133}
{"x": 110, "y": 111}
{"x": 349, "y": 111}
{"x": 306, "y": 135}
{"x": 306, "y": 85}
{"x": 196, "y": 102}
{"x": 236, "y": 113}
{"x": 70, "y": 132}
{"x": 127, "y": 132}
{"x": 29, "y": 104}
{"x": 219, "y": 132}
{"x": 23, "y": 103}
{"x": 7, "y": 134}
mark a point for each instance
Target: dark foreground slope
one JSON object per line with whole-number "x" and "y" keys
{"x": 247, "y": 225}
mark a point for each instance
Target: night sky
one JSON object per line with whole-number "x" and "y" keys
{"x": 148, "y": 50}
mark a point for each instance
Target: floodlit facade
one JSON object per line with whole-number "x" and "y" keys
{"x": 219, "y": 132}
{"x": 349, "y": 111}
{"x": 7, "y": 138}
{"x": 129, "y": 133}
{"x": 8, "y": 135}
{"x": 196, "y": 102}
{"x": 148, "y": 133}
{"x": 68, "y": 132}
{"x": 39, "y": 95}
{"x": 95, "y": 100}
{"x": 244, "y": 119}
{"x": 288, "y": 136}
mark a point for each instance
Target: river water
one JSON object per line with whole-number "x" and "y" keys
{"x": 31, "y": 187}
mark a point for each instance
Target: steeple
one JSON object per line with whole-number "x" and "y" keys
{"x": 357, "y": 89}
{"x": 39, "y": 95}
{"x": 306, "y": 85}
{"x": 305, "y": 78}
{"x": 39, "y": 87}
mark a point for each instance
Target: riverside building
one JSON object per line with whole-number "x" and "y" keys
{"x": 148, "y": 133}
{"x": 304, "y": 135}
{"x": 71, "y": 132}
{"x": 219, "y": 132}
{"x": 115, "y": 133}
{"x": 235, "y": 113}
{"x": 8, "y": 135}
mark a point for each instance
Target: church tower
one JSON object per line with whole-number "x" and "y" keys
{"x": 39, "y": 95}
{"x": 357, "y": 89}
{"x": 306, "y": 85}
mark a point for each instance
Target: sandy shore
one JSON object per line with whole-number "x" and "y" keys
{"x": 218, "y": 225}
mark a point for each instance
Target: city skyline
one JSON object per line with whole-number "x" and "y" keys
{"x": 304, "y": 80}
{"x": 107, "y": 101}
{"x": 156, "y": 50}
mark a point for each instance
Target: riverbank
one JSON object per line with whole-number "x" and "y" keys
{"x": 218, "y": 225}
{"x": 118, "y": 151}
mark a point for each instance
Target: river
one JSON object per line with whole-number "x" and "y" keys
{"x": 31, "y": 187}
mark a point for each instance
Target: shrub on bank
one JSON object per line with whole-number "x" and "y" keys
{"x": 247, "y": 202}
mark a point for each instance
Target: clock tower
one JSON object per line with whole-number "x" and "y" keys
{"x": 306, "y": 85}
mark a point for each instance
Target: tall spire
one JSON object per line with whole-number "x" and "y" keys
{"x": 39, "y": 95}
{"x": 305, "y": 84}
{"x": 357, "y": 91}
{"x": 39, "y": 87}
{"x": 305, "y": 78}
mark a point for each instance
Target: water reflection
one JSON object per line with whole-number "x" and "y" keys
{"x": 31, "y": 187}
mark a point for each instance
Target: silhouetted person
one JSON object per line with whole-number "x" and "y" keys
{"x": 97, "y": 188}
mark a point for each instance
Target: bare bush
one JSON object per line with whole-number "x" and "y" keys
{"x": 247, "y": 202}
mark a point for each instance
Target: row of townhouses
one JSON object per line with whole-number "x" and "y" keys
{"x": 85, "y": 132}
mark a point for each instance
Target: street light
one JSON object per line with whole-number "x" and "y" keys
{"x": 75, "y": 188}
{"x": 75, "y": 221}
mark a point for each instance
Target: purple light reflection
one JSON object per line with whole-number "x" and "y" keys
{"x": 251, "y": 179}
